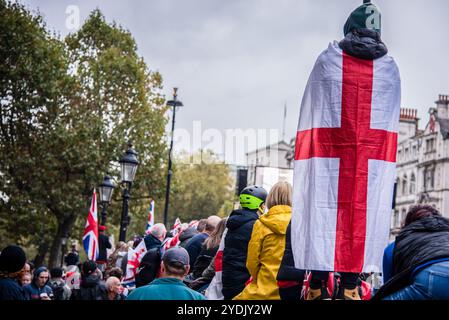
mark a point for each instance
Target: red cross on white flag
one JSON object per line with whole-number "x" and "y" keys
{"x": 345, "y": 163}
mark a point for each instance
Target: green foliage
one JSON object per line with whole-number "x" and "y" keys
{"x": 68, "y": 109}
{"x": 202, "y": 187}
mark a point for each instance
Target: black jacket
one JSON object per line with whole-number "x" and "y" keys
{"x": 186, "y": 235}
{"x": 203, "y": 260}
{"x": 103, "y": 244}
{"x": 194, "y": 247}
{"x": 364, "y": 44}
{"x": 151, "y": 242}
{"x": 11, "y": 290}
{"x": 290, "y": 276}
{"x": 91, "y": 288}
{"x": 149, "y": 267}
{"x": 240, "y": 226}
{"x": 420, "y": 242}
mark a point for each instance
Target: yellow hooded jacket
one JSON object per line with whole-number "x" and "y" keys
{"x": 265, "y": 252}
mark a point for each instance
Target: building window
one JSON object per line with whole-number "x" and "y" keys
{"x": 399, "y": 155}
{"x": 404, "y": 185}
{"x": 396, "y": 219}
{"x": 406, "y": 155}
{"x": 429, "y": 178}
{"x": 412, "y": 184}
{"x": 414, "y": 151}
{"x": 398, "y": 187}
{"x": 430, "y": 145}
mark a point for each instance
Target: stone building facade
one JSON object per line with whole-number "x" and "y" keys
{"x": 422, "y": 162}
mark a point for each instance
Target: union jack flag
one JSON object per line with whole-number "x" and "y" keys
{"x": 150, "y": 222}
{"x": 90, "y": 238}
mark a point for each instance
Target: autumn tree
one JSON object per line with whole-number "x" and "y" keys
{"x": 68, "y": 108}
{"x": 203, "y": 186}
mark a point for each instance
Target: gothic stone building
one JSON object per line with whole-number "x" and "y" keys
{"x": 422, "y": 162}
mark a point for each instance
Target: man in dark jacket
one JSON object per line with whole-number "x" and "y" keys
{"x": 240, "y": 226}
{"x": 91, "y": 287}
{"x": 155, "y": 237}
{"x": 186, "y": 235}
{"x": 420, "y": 258}
{"x": 39, "y": 289}
{"x": 12, "y": 261}
{"x": 103, "y": 245}
{"x": 194, "y": 245}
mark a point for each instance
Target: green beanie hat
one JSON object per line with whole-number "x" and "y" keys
{"x": 367, "y": 16}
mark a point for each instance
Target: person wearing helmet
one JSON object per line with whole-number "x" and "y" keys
{"x": 239, "y": 228}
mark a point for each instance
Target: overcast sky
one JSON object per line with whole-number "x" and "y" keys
{"x": 236, "y": 62}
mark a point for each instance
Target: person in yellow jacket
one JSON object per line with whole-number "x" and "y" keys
{"x": 267, "y": 245}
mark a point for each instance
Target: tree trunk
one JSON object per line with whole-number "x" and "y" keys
{"x": 40, "y": 257}
{"x": 64, "y": 229}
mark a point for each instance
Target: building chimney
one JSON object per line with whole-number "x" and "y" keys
{"x": 442, "y": 106}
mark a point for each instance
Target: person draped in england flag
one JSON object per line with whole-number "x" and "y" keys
{"x": 345, "y": 158}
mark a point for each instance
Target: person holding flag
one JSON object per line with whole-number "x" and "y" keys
{"x": 345, "y": 157}
{"x": 90, "y": 238}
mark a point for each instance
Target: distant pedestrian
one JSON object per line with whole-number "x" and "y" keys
{"x": 39, "y": 289}
{"x": 12, "y": 261}
{"x": 57, "y": 284}
{"x": 239, "y": 228}
{"x": 420, "y": 258}
{"x": 114, "y": 289}
{"x": 91, "y": 286}
{"x": 194, "y": 245}
{"x": 103, "y": 245}
{"x": 267, "y": 245}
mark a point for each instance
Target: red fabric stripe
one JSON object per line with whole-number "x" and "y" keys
{"x": 219, "y": 261}
{"x": 287, "y": 284}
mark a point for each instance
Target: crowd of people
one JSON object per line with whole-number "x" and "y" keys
{"x": 250, "y": 251}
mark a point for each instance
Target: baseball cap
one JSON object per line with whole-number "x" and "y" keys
{"x": 176, "y": 257}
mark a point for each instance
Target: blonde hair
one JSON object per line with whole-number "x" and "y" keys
{"x": 280, "y": 194}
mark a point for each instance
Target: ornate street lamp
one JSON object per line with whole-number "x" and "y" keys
{"x": 129, "y": 164}
{"x": 106, "y": 190}
{"x": 172, "y": 103}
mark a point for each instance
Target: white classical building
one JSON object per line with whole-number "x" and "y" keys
{"x": 270, "y": 164}
{"x": 422, "y": 162}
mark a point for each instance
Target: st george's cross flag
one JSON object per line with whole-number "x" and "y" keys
{"x": 345, "y": 163}
{"x": 176, "y": 227}
{"x": 150, "y": 222}
{"x": 213, "y": 291}
{"x": 90, "y": 238}
{"x": 134, "y": 258}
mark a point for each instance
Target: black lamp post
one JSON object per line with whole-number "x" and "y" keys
{"x": 128, "y": 165}
{"x": 106, "y": 189}
{"x": 172, "y": 103}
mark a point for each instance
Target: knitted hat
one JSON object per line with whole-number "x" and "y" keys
{"x": 367, "y": 16}
{"x": 12, "y": 259}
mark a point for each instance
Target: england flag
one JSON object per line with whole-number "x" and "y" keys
{"x": 345, "y": 163}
